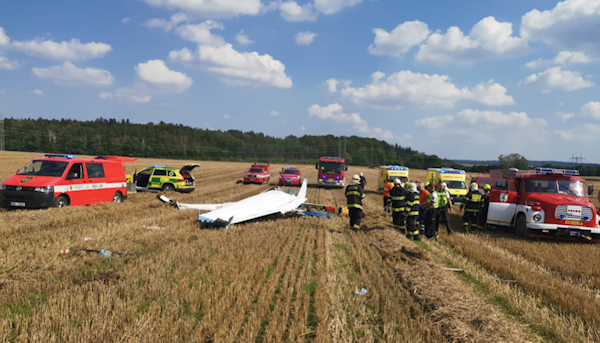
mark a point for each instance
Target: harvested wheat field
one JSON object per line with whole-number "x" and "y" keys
{"x": 291, "y": 280}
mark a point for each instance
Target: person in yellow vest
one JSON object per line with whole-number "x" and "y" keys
{"x": 412, "y": 212}
{"x": 387, "y": 187}
{"x": 444, "y": 206}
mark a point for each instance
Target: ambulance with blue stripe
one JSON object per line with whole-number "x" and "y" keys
{"x": 65, "y": 180}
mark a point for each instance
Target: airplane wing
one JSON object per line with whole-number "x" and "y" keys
{"x": 270, "y": 202}
{"x": 201, "y": 207}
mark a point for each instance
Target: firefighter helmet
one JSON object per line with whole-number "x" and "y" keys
{"x": 355, "y": 178}
{"x": 397, "y": 182}
{"x": 487, "y": 187}
{"x": 474, "y": 186}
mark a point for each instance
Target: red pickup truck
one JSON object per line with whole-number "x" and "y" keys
{"x": 258, "y": 173}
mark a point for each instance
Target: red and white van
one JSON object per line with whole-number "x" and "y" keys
{"x": 64, "y": 180}
{"x": 543, "y": 203}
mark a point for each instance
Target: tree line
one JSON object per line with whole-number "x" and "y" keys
{"x": 113, "y": 137}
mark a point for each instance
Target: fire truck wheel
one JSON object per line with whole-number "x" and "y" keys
{"x": 167, "y": 187}
{"x": 118, "y": 197}
{"x": 521, "y": 229}
{"x": 60, "y": 201}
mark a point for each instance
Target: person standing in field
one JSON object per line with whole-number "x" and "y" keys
{"x": 397, "y": 201}
{"x": 444, "y": 206}
{"x": 483, "y": 214}
{"x": 355, "y": 192}
{"x": 423, "y": 194}
{"x": 431, "y": 206}
{"x": 412, "y": 212}
{"x": 472, "y": 204}
{"x": 387, "y": 187}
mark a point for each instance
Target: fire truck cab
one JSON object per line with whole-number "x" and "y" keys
{"x": 543, "y": 203}
{"x": 331, "y": 172}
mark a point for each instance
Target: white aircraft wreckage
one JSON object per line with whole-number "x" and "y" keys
{"x": 271, "y": 204}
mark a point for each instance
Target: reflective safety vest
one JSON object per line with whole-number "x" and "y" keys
{"x": 474, "y": 201}
{"x": 354, "y": 195}
{"x": 412, "y": 204}
{"x": 386, "y": 189}
{"x": 434, "y": 198}
{"x": 398, "y": 198}
{"x": 443, "y": 199}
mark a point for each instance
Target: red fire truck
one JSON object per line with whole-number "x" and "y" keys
{"x": 331, "y": 172}
{"x": 543, "y": 203}
{"x": 258, "y": 173}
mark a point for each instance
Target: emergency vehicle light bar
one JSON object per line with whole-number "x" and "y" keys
{"x": 451, "y": 171}
{"x": 60, "y": 156}
{"x": 556, "y": 171}
{"x": 396, "y": 168}
{"x": 158, "y": 166}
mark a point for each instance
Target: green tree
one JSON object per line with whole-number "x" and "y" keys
{"x": 513, "y": 161}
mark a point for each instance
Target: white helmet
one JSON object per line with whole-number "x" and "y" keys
{"x": 397, "y": 182}
{"x": 411, "y": 187}
{"x": 474, "y": 186}
{"x": 355, "y": 177}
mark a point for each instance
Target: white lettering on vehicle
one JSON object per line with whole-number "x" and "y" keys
{"x": 88, "y": 186}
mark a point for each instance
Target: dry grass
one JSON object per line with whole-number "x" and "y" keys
{"x": 279, "y": 281}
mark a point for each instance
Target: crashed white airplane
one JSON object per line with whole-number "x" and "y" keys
{"x": 261, "y": 206}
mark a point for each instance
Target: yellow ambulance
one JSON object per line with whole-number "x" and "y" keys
{"x": 454, "y": 179}
{"x": 392, "y": 173}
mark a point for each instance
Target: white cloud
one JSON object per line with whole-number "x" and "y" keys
{"x": 234, "y": 67}
{"x": 274, "y": 113}
{"x": 496, "y": 118}
{"x": 302, "y": 129}
{"x": 587, "y": 133}
{"x": 305, "y": 38}
{"x": 400, "y": 40}
{"x": 434, "y": 123}
{"x": 556, "y": 78}
{"x": 37, "y": 92}
{"x": 570, "y": 25}
{"x": 5, "y": 63}
{"x": 166, "y": 25}
{"x": 128, "y": 19}
{"x": 153, "y": 78}
{"x": 562, "y": 58}
{"x": 72, "y": 50}
{"x": 566, "y": 116}
{"x": 200, "y": 33}
{"x": 68, "y": 74}
{"x": 211, "y": 8}
{"x": 4, "y": 40}
{"x": 333, "y": 6}
{"x": 406, "y": 88}
{"x": 2, "y": 91}
{"x": 243, "y": 39}
{"x": 226, "y": 116}
{"x": 332, "y": 84}
{"x": 291, "y": 11}
{"x": 488, "y": 39}
{"x": 592, "y": 109}
{"x": 335, "y": 112}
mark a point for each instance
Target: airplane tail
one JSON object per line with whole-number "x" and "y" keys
{"x": 302, "y": 193}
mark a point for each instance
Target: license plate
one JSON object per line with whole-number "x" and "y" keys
{"x": 17, "y": 204}
{"x": 573, "y": 222}
{"x": 189, "y": 184}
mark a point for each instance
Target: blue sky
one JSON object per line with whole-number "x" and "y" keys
{"x": 461, "y": 79}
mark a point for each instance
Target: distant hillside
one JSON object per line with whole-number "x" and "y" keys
{"x": 113, "y": 137}
{"x": 531, "y": 163}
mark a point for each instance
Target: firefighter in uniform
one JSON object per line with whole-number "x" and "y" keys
{"x": 483, "y": 214}
{"x": 444, "y": 206}
{"x": 387, "y": 187}
{"x": 355, "y": 192}
{"x": 412, "y": 212}
{"x": 397, "y": 202}
{"x": 472, "y": 204}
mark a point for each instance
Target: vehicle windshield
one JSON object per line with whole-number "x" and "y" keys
{"x": 572, "y": 187}
{"x": 331, "y": 167}
{"x": 404, "y": 179}
{"x": 456, "y": 184}
{"x": 44, "y": 168}
{"x": 290, "y": 172}
{"x": 255, "y": 170}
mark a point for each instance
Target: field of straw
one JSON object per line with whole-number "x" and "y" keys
{"x": 291, "y": 280}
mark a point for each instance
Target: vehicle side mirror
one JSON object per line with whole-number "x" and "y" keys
{"x": 590, "y": 189}
{"x": 346, "y": 168}
{"x": 316, "y": 166}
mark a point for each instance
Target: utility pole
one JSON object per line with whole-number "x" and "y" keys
{"x": 344, "y": 146}
{"x": 2, "y": 147}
